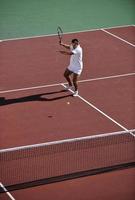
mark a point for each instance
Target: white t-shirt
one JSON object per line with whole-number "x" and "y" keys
{"x": 76, "y": 64}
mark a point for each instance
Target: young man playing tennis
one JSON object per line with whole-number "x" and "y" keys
{"x": 76, "y": 65}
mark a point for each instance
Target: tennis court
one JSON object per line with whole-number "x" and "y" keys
{"x": 54, "y": 145}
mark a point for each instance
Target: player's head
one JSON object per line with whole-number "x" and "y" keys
{"x": 75, "y": 42}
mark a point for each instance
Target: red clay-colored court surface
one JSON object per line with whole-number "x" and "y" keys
{"x": 35, "y": 107}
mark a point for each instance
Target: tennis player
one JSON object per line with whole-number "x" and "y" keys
{"x": 76, "y": 65}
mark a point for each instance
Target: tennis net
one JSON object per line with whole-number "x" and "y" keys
{"x": 33, "y": 165}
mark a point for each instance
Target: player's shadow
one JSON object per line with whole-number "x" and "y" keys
{"x": 36, "y": 97}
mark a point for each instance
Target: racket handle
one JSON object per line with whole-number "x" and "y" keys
{"x": 60, "y": 41}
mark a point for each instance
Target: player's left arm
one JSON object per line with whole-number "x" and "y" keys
{"x": 72, "y": 52}
{"x": 67, "y": 53}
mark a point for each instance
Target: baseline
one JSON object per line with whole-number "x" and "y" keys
{"x": 65, "y": 33}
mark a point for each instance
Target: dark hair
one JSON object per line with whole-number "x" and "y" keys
{"x": 75, "y": 40}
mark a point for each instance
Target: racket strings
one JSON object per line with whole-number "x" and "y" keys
{"x": 60, "y": 32}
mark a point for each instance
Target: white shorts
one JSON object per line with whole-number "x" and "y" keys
{"x": 76, "y": 70}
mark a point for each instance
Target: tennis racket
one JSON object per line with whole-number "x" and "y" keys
{"x": 60, "y": 33}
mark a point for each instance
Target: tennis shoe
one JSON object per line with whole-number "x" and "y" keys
{"x": 75, "y": 94}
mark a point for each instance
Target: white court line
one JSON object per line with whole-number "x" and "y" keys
{"x": 118, "y": 37}
{"x": 107, "y": 77}
{"x": 29, "y": 88}
{"x": 8, "y": 193}
{"x": 57, "y": 84}
{"x": 66, "y": 33}
{"x": 100, "y": 111}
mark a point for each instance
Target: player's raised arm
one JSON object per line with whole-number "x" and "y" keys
{"x": 65, "y": 45}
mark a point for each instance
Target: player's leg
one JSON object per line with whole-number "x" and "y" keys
{"x": 75, "y": 82}
{"x": 67, "y": 74}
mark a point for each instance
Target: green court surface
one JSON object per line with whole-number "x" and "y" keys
{"x": 39, "y": 17}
